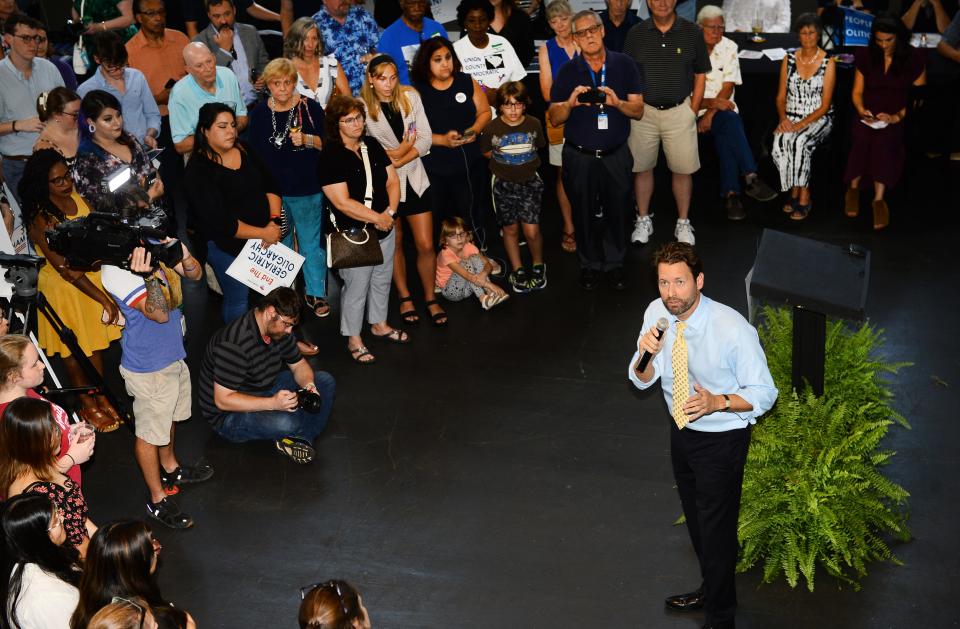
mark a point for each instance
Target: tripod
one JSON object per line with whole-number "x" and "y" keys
{"x": 26, "y": 301}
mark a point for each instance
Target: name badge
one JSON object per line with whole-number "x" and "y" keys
{"x": 603, "y": 121}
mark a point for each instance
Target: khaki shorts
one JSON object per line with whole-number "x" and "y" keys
{"x": 159, "y": 399}
{"x": 676, "y": 128}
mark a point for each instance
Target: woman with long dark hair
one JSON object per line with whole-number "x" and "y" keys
{"x": 335, "y": 605}
{"x": 232, "y": 198}
{"x": 39, "y": 573}
{"x": 30, "y": 442}
{"x": 396, "y": 119}
{"x": 886, "y": 70}
{"x": 458, "y": 111}
{"x": 121, "y": 564}
{"x": 106, "y": 148}
{"x": 77, "y": 295}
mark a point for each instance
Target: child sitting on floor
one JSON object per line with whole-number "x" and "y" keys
{"x": 462, "y": 270}
{"x": 511, "y": 142}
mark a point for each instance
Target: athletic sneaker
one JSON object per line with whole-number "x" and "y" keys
{"x": 520, "y": 281}
{"x": 684, "y": 231}
{"x": 296, "y": 449}
{"x": 185, "y": 475}
{"x": 538, "y": 279}
{"x": 167, "y": 512}
{"x": 642, "y": 229}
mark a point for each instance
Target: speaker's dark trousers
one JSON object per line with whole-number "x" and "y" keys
{"x": 599, "y": 193}
{"x": 708, "y": 468}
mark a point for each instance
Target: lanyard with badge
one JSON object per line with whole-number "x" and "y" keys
{"x": 603, "y": 121}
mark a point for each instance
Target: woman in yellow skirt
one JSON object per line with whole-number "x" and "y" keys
{"x": 77, "y": 296}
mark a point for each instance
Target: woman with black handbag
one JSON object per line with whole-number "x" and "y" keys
{"x": 362, "y": 192}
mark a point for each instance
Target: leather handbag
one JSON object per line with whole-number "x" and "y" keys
{"x": 350, "y": 248}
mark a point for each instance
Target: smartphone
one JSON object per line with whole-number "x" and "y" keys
{"x": 412, "y": 129}
{"x": 466, "y": 135}
{"x": 592, "y": 96}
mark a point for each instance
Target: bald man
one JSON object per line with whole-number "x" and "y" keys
{"x": 205, "y": 83}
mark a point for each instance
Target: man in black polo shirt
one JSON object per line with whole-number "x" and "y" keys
{"x": 618, "y": 19}
{"x": 596, "y": 160}
{"x": 251, "y": 374}
{"x": 674, "y": 63}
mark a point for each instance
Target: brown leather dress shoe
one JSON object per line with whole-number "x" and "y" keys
{"x": 686, "y": 602}
{"x": 881, "y": 214}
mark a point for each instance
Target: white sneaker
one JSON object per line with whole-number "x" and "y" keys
{"x": 684, "y": 232}
{"x": 642, "y": 229}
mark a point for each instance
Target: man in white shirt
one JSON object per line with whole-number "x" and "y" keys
{"x": 720, "y": 118}
{"x": 488, "y": 58}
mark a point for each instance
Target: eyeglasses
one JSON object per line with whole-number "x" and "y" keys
{"x": 335, "y": 585}
{"x": 61, "y": 180}
{"x": 154, "y": 13}
{"x": 34, "y": 39}
{"x": 512, "y": 106}
{"x": 72, "y": 114}
{"x": 352, "y": 119}
{"x": 120, "y": 600}
{"x": 57, "y": 519}
{"x": 286, "y": 324}
{"x": 589, "y": 31}
{"x": 714, "y": 27}
{"x": 457, "y": 235}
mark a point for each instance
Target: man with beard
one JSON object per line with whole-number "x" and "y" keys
{"x": 236, "y": 46}
{"x": 252, "y": 374}
{"x": 715, "y": 380}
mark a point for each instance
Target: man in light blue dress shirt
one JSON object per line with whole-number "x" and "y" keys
{"x": 141, "y": 116}
{"x": 728, "y": 387}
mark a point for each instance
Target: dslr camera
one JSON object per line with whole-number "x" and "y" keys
{"x": 593, "y": 96}
{"x": 123, "y": 221}
{"x": 309, "y": 400}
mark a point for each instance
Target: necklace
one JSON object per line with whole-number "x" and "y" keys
{"x": 815, "y": 57}
{"x": 278, "y": 138}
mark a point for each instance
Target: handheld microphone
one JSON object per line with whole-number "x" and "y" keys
{"x": 662, "y": 325}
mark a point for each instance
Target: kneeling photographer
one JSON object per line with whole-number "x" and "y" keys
{"x": 254, "y": 383}
{"x": 74, "y": 292}
{"x": 152, "y": 363}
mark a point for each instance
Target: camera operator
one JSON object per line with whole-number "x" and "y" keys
{"x": 595, "y": 95}
{"x": 155, "y": 374}
{"x": 255, "y": 384}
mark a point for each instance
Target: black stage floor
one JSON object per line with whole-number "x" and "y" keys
{"x": 502, "y": 472}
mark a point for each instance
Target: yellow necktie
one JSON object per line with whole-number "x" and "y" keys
{"x": 681, "y": 387}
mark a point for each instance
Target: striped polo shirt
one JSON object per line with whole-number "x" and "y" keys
{"x": 667, "y": 61}
{"x": 239, "y": 359}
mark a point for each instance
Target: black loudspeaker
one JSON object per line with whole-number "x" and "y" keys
{"x": 818, "y": 279}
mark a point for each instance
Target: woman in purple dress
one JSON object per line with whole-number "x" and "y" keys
{"x": 886, "y": 70}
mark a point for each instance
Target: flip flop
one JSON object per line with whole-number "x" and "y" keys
{"x": 358, "y": 353}
{"x": 394, "y": 336}
{"x": 307, "y": 348}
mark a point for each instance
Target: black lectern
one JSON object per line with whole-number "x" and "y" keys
{"x": 817, "y": 279}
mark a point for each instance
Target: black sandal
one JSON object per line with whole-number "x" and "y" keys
{"x": 801, "y": 212}
{"x": 439, "y": 318}
{"x": 167, "y": 513}
{"x": 409, "y": 317}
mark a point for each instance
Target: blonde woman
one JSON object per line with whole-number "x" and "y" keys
{"x": 318, "y": 74}
{"x": 397, "y": 120}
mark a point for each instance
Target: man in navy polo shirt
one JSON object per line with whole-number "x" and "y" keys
{"x": 401, "y": 40}
{"x": 596, "y": 159}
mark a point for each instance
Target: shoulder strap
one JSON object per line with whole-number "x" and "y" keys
{"x": 368, "y": 193}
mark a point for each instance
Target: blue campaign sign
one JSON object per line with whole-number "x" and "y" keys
{"x": 856, "y": 27}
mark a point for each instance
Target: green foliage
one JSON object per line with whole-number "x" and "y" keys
{"x": 812, "y": 490}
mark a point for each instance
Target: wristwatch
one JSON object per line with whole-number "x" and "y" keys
{"x": 726, "y": 398}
